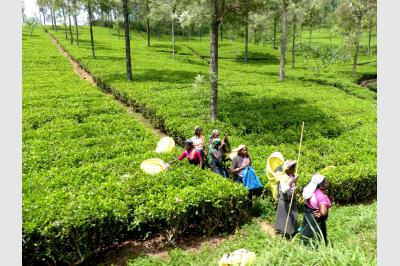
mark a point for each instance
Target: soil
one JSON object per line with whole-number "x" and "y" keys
{"x": 83, "y": 74}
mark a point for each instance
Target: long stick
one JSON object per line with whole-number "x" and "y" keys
{"x": 294, "y": 184}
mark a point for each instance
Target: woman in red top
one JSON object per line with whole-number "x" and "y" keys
{"x": 191, "y": 154}
{"x": 316, "y": 208}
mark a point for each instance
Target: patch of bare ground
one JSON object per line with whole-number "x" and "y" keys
{"x": 83, "y": 74}
{"x": 268, "y": 228}
{"x": 120, "y": 254}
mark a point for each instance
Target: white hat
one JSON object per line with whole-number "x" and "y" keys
{"x": 312, "y": 186}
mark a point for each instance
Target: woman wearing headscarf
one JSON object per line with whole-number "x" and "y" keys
{"x": 192, "y": 155}
{"x": 316, "y": 208}
{"x": 214, "y": 135}
{"x": 285, "y": 191}
{"x": 199, "y": 144}
{"x": 216, "y": 158}
{"x": 240, "y": 162}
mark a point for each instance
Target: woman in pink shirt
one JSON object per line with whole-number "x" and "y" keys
{"x": 191, "y": 153}
{"x": 316, "y": 208}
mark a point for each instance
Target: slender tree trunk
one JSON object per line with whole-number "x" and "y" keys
{"x": 40, "y": 18}
{"x": 310, "y": 34}
{"x": 301, "y": 31}
{"x": 44, "y": 18}
{"x": 173, "y": 38}
{"x": 214, "y": 60}
{"x": 65, "y": 23}
{"x": 201, "y": 33}
{"x": 91, "y": 28}
{"x": 76, "y": 30}
{"x": 283, "y": 45}
{"x": 52, "y": 18}
{"x": 221, "y": 29}
{"x": 357, "y": 44}
{"x": 69, "y": 21}
{"x": 246, "y": 44}
{"x": 55, "y": 20}
{"x": 148, "y": 24}
{"x": 369, "y": 35}
{"x": 275, "y": 24}
{"x": 294, "y": 40}
{"x": 127, "y": 40}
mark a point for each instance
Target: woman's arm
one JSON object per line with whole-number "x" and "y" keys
{"x": 181, "y": 156}
{"x": 323, "y": 211}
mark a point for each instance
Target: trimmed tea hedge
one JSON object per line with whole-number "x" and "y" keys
{"x": 255, "y": 108}
{"x": 82, "y": 185}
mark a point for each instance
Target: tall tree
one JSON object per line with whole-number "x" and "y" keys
{"x": 285, "y": 4}
{"x": 127, "y": 40}
{"x": 69, "y": 10}
{"x": 60, "y": 4}
{"x": 148, "y": 22}
{"x": 89, "y": 8}
{"x": 315, "y": 14}
{"x": 75, "y": 11}
{"x": 350, "y": 15}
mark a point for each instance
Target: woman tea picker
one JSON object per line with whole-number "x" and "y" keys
{"x": 191, "y": 154}
{"x": 316, "y": 208}
{"x": 285, "y": 191}
{"x": 199, "y": 144}
{"x": 216, "y": 158}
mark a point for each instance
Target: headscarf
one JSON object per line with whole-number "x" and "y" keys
{"x": 288, "y": 164}
{"x": 308, "y": 190}
{"x": 214, "y": 133}
{"x": 189, "y": 142}
{"x": 197, "y": 128}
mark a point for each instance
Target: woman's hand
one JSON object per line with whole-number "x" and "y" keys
{"x": 317, "y": 214}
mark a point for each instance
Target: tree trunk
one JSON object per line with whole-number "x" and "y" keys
{"x": 214, "y": 60}
{"x": 55, "y": 20}
{"x": 246, "y": 44}
{"x": 301, "y": 31}
{"x": 44, "y": 18}
{"x": 148, "y": 24}
{"x": 173, "y": 38}
{"x": 357, "y": 44}
{"x": 201, "y": 33}
{"x": 275, "y": 23}
{"x": 283, "y": 44}
{"x": 127, "y": 40}
{"x": 40, "y": 19}
{"x": 69, "y": 22}
{"x": 310, "y": 34}
{"x": 65, "y": 23}
{"x": 369, "y": 35}
{"x": 294, "y": 40}
{"x": 91, "y": 29}
{"x": 76, "y": 30}
{"x": 221, "y": 32}
{"x": 52, "y": 18}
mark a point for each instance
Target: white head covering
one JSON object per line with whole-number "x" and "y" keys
{"x": 312, "y": 186}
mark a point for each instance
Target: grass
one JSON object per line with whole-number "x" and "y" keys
{"x": 351, "y": 232}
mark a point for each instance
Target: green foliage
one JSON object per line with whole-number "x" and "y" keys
{"x": 30, "y": 24}
{"x": 254, "y": 107}
{"x": 319, "y": 58}
{"x": 351, "y": 233}
{"x": 83, "y": 189}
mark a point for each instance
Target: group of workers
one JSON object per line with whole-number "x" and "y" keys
{"x": 316, "y": 201}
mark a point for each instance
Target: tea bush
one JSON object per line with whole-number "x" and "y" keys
{"x": 255, "y": 108}
{"x": 83, "y": 189}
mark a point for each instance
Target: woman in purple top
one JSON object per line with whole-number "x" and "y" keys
{"x": 316, "y": 208}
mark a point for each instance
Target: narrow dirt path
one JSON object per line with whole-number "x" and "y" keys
{"x": 83, "y": 74}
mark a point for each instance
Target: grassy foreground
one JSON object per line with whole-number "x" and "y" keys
{"x": 351, "y": 232}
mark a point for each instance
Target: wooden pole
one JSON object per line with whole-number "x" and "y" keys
{"x": 294, "y": 188}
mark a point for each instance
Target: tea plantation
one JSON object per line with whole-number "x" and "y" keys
{"x": 255, "y": 108}
{"x": 82, "y": 186}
